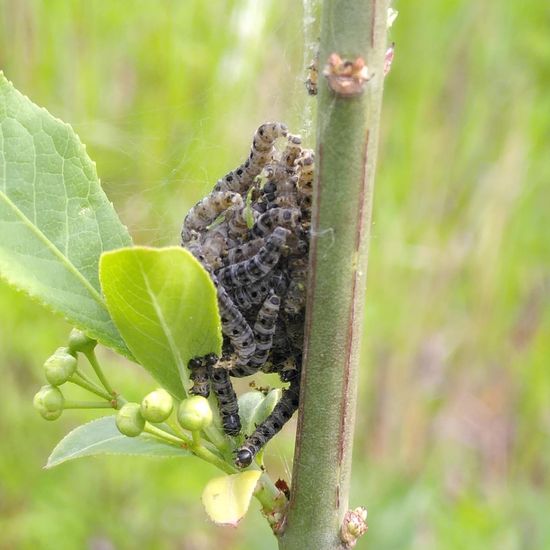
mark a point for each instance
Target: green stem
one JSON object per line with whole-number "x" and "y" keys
{"x": 172, "y": 425}
{"x": 88, "y": 405}
{"x": 91, "y": 356}
{"x": 268, "y": 495}
{"x": 202, "y": 452}
{"x": 81, "y": 380}
{"x": 347, "y": 136}
{"x": 184, "y": 435}
{"x": 118, "y": 401}
{"x": 199, "y": 449}
{"x": 217, "y": 438}
{"x": 194, "y": 445}
{"x": 161, "y": 434}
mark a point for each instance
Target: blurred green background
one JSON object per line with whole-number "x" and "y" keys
{"x": 453, "y": 435}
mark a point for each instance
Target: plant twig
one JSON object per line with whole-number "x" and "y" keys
{"x": 88, "y": 405}
{"x": 347, "y": 136}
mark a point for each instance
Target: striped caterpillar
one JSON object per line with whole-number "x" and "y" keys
{"x": 251, "y": 233}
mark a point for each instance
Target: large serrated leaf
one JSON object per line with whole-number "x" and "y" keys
{"x": 55, "y": 220}
{"x": 102, "y": 437}
{"x": 226, "y": 499}
{"x": 164, "y": 305}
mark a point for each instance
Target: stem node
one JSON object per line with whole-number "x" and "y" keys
{"x": 353, "y": 526}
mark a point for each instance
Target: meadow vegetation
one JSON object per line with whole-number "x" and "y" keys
{"x": 453, "y": 444}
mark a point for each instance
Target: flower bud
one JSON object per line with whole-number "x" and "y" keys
{"x": 195, "y": 413}
{"x": 353, "y": 526}
{"x": 129, "y": 420}
{"x": 49, "y": 402}
{"x": 78, "y": 341}
{"x": 60, "y": 367}
{"x": 157, "y": 406}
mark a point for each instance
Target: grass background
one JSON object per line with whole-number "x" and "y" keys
{"x": 453, "y": 436}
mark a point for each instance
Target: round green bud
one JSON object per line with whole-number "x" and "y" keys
{"x": 195, "y": 413}
{"x": 129, "y": 420}
{"x": 157, "y": 406}
{"x": 60, "y": 367}
{"x": 49, "y": 402}
{"x": 78, "y": 341}
{"x": 51, "y": 415}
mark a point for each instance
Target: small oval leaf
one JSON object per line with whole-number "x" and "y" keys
{"x": 248, "y": 404}
{"x": 255, "y": 407}
{"x": 101, "y": 436}
{"x": 226, "y": 499}
{"x": 267, "y": 405}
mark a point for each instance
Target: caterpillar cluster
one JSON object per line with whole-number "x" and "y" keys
{"x": 251, "y": 234}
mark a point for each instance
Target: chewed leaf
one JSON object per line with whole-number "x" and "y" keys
{"x": 164, "y": 304}
{"x": 55, "y": 220}
{"x": 102, "y": 437}
{"x": 226, "y": 499}
{"x": 255, "y": 407}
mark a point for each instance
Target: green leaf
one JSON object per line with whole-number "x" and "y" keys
{"x": 101, "y": 436}
{"x": 164, "y": 305}
{"x": 248, "y": 405}
{"x": 255, "y": 407}
{"x": 55, "y": 220}
{"x": 226, "y": 499}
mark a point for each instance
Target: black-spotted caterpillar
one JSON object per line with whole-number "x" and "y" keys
{"x": 251, "y": 233}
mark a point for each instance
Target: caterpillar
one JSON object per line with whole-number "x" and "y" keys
{"x": 200, "y": 375}
{"x": 246, "y": 297}
{"x": 206, "y": 211}
{"x": 227, "y": 400}
{"x": 240, "y": 179}
{"x": 235, "y": 327}
{"x": 272, "y": 425}
{"x": 264, "y": 328}
{"x": 292, "y": 150}
{"x": 244, "y": 251}
{"x": 275, "y": 217}
{"x": 305, "y": 164}
{"x": 251, "y": 270}
{"x": 257, "y": 257}
{"x": 237, "y": 222}
{"x": 214, "y": 247}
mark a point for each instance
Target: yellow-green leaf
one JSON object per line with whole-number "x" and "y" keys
{"x": 226, "y": 499}
{"x": 164, "y": 304}
{"x": 255, "y": 407}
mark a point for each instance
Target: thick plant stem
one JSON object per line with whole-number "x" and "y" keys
{"x": 347, "y": 135}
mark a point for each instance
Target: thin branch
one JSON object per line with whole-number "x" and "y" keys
{"x": 347, "y": 136}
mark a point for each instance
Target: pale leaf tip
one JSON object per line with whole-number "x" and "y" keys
{"x": 226, "y": 499}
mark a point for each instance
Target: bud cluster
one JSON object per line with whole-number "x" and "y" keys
{"x": 155, "y": 407}
{"x": 193, "y": 414}
{"x": 60, "y": 368}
